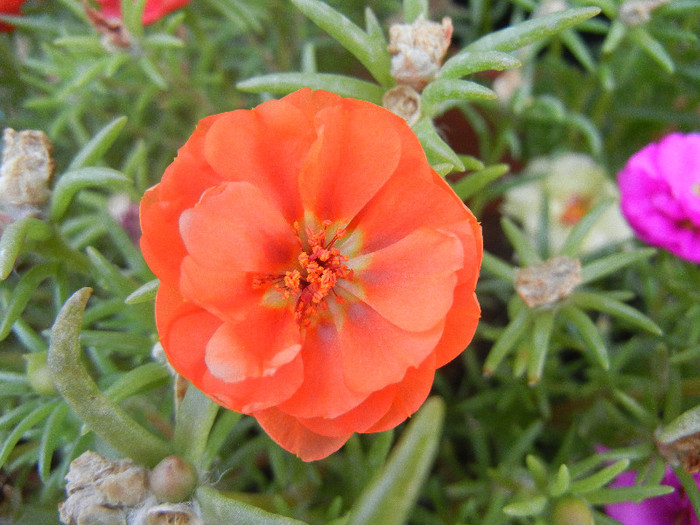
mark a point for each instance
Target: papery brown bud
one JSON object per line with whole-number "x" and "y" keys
{"x": 403, "y": 101}
{"x": 101, "y": 491}
{"x": 418, "y": 50}
{"x": 173, "y": 514}
{"x": 26, "y": 171}
{"x": 173, "y": 479}
{"x": 547, "y": 283}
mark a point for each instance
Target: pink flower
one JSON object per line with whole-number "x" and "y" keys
{"x": 154, "y": 10}
{"x": 672, "y": 509}
{"x": 660, "y": 188}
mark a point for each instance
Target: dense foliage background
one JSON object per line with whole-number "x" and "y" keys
{"x": 575, "y": 391}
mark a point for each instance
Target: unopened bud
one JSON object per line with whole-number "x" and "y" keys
{"x": 173, "y": 479}
{"x": 418, "y": 50}
{"x": 403, "y": 101}
{"x": 572, "y": 511}
{"x": 25, "y": 174}
{"x": 547, "y": 283}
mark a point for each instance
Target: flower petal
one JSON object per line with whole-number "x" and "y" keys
{"x": 411, "y": 282}
{"x": 265, "y": 146}
{"x": 323, "y": 393}
{"x": 359, "y": 419}
{"x": 291, "y": 435}
{"x": 185, "y": 330}
{"x": 180, "y": 188}
{"x": 410, "y": 394}
{"x": 377, "y": 353}
{"x": 234, "y": 227}
{"x": 460, "y": 325}
{"x": 411, "y": 199}
{"x": 256, "y": 347}
{"x": 336, "y": 181}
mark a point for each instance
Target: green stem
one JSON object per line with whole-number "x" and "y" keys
{"x": 79, "y": 390}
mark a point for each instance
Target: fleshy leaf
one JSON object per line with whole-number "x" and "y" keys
{"x": 468, "y": 62}
{"x": 284, "y": 83}
{"x": 393, "y": 491}
{"x": 73, "y": 181}
{"x": 219, "y": 508}
{"x": 93, "y": 151}
{"x": 525, "y": 33}
{"x": 371, "y": 55}
{"x": 96, "y": 410}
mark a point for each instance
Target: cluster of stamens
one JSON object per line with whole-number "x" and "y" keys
{"x": 320, "y": 266}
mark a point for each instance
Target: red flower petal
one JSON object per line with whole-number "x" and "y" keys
{"x": 354, "y": 137}
{"x": 411, "y": 282}
{"x": 359, "y": 419}
{"x": 235, "y": 227}
{"x": 408, "y": 201}
{"x": 410, "y": 394}
{"x": 460, "y": 325}
{"x": 265, "y": 146}
{"x": 375, "y": 352}
{"x": 323, "y": 393}
{"x": 267, "y": 339}
{"x": 291, "y": 435}
{"x": 181, "y": 187}
{"x": 185, "y": 330}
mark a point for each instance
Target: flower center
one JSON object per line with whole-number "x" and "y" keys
{"x": 320, "y": 265}
{"x": 575, "y": 209}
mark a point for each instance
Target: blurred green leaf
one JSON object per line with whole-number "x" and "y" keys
{"x": 13, "y": 238}
{"x": 73, "y": 181}
{"x": 521, "y": 244}
{"x": 79, "y": 390}
{"x": 447, "y": 89}
{"x": 532, "y": 506}
{"x": 473, "y": 183}
{"x": 609, "y": 264}
{"x": 435, "y": 148}
{"x": 468, "y": 62}
{"x": 541, "y": 334}
{"x": 511, "y": 335}
{"x": 412, "y": 9}
{"x": 284, "y": 83}
{"x": 371, "y": 55}
{"x": 600, "y": 478}
{"x": 144, "y": 293}
{"x": 391, "y": 494}
{"x": 219, "y": 508}
{"x": 93, "y": 151}
{"x": 589, "y": 333}
{"x": 593, "y": 301}
{"x": 195, "y": 417}
{"x": 527, "y": 32}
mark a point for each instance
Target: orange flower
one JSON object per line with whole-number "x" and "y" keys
{"x": 315, "y": 271}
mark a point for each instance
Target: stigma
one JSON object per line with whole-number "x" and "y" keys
{"x": 319, "y": 266}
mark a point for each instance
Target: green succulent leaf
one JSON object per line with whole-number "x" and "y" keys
{"x": 393, "y": 491}
{"x": 73, "y": 181}
{"x": 530, "y": 31}
{"x": 412, "y": 9}
{"x": 219, "y": 508}
{"x": 436, "y": 149}
{"x": 96, "y": 410}
{"x": 284, "y": 83}
{"x": 608, "y": 305}
{"x": 369, "y": 52}
{"x": 98, "y": 145}
{"x": 468, "y": 62}
{"x": 14, "y": 236}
